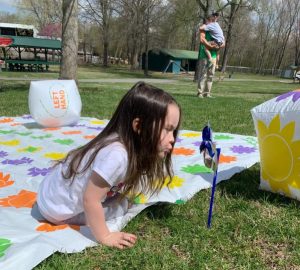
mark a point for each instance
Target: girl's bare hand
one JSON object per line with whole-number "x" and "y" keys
{"x": 119, "y": 240}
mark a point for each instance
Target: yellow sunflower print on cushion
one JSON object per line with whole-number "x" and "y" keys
{"x": 280, "y": 155}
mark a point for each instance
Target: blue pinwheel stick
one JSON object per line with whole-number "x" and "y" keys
{"x": 211, "y": 156}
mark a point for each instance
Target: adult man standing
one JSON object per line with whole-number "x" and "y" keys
{"x": 206, "y": 70}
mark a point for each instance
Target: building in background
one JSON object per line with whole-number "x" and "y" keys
{"x": 21, "y": 30}
{"x": 170, "y": 60}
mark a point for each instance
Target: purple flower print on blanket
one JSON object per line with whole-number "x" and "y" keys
{"x": 178, "y": 140}
{"x": 23, "y": 160}
{"x": 27, "y": 116}
{"x": 242, "y": 149}
{"x": 3, "y": 154}
{"x": 197, "y": 143}
{"x": 96, "y": 128}
{"x": 34, "y": 171}
{"x": 77, "y": 125}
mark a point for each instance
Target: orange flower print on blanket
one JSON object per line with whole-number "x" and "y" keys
{"x": 24, "y": 198}
{"x": 72, "y": 132}
{"x": 89, "y": 137}
{"x": 183, "y": 151}
{"x": 47, "y": 227}
{"x": 5, "y": 180}
{"x": 51, "y": 129}
{"x": 15, "y": 124}
{"x": 226, "y": 159}
{"x": 6, "y": 120}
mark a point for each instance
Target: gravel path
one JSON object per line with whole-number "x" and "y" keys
{"x": 112, "y": 80}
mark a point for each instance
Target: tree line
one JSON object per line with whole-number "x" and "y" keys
{"x": 259, "y": 34}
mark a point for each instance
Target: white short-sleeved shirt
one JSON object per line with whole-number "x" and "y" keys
{"x": 59, "y": 199}
{"x": 215, "y": 31}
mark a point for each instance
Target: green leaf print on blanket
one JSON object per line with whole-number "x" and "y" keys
{"x": 4, "y": 245}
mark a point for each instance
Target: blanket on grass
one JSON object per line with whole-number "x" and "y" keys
{"x": 26, "y": 152}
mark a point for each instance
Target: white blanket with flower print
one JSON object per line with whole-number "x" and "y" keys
{"x": 26, "y": 151}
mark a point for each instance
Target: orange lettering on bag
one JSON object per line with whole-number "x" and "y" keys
{"x": 59, "y": 99}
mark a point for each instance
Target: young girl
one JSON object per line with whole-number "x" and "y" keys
{"x": 131, "y": 153}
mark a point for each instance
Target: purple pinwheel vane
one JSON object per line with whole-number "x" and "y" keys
{"x": 295, "y": 94}
{"x": 34, "y": 171}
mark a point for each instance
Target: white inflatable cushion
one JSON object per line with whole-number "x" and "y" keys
{"x": 277, "y": 124}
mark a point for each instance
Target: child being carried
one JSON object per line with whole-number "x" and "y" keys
{"x": 216, "y": 32}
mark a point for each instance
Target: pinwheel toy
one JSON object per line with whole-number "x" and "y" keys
{"x": 211, "y": 156}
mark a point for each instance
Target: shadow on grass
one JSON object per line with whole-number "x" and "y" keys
{"x": 122, "y": 71}
{"x": 246, "y": 185}
{"x": 159, "y": 211}
{"x": 14, "y": 86}
{"x": 262, "y": 92}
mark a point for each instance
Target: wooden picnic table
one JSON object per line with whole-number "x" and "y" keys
{"x": 29, "y": 65}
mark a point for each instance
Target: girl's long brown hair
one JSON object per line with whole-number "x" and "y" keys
{"x": 146, "y": 170}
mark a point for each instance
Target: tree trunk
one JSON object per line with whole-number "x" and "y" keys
{"x": 226, "y": 49}
{"x": 134, "y": 61}
{"x": 105, "y": 53}
{"x": 146, "y": 68}
{"x": 106, "y": 14}
{"x": 146, "y": 73}
{"x": 68, "y": 67}
{"x": 297, "y": 56}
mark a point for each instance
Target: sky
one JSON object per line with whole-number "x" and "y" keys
{"x": 8, "y": 6}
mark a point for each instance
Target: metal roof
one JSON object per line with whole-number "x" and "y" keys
{"x": 31, "y": 42}
{"x": 181, "y": 54}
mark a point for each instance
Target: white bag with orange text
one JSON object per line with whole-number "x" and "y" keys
{"x": 54, "y": 103}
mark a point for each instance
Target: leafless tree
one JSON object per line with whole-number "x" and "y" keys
{"x": 100, "y": 12}
{"x": 288, "y": 12}
{"x": 152, "y": 9}
{"x": 45, "y": 11}
{"x": 296, "y": 40}
{"x": 230, "y": 11}
{"x": 266, "y": 21}
{"x": 135, "y": 10}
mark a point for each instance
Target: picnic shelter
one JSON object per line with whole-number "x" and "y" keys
{"x": 23, "y": 53}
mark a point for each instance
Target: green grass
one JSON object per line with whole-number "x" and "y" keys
{"x": 252, "y": 229}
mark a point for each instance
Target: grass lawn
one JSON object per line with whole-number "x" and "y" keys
{"x": 251, "y": 229}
